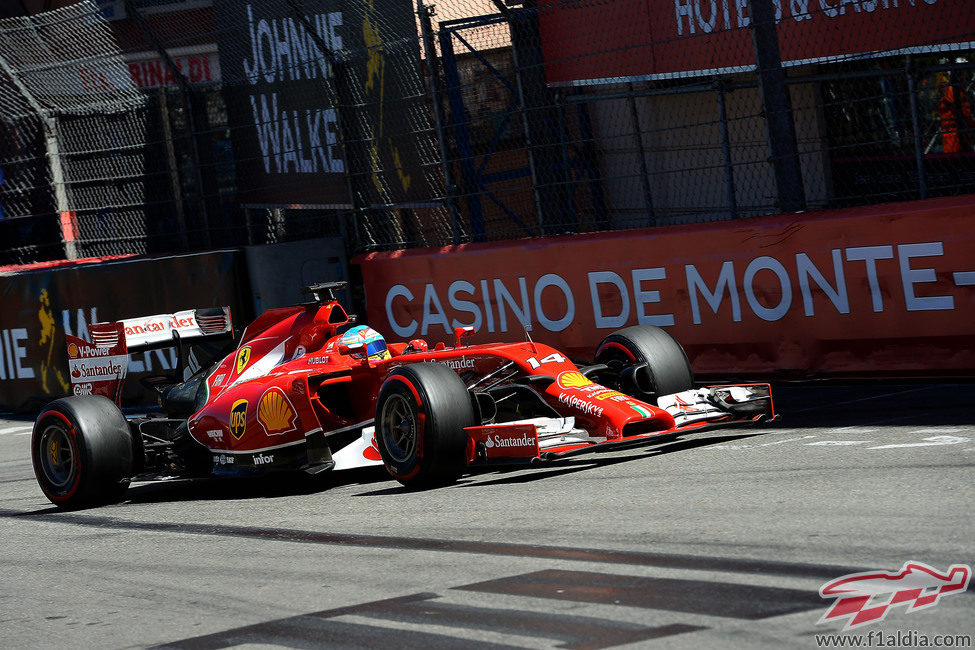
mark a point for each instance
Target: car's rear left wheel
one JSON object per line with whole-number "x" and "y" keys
{"x": 82, "y": 452}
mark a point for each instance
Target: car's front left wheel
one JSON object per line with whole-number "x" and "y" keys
{"x": 420, "y": 418}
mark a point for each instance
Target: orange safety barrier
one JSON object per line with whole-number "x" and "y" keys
{"x": 886, "y": 289}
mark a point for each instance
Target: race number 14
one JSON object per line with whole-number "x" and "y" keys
{"x": 555, "y": 357}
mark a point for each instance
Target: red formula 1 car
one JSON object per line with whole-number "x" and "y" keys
{"x": 304, "y": 391}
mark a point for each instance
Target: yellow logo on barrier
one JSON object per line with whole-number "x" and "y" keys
{"x": 275, "y": 413}
{"x": 238, "y": 418}
{"x": 243, "y": 358}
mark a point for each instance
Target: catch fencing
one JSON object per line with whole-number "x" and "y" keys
{"x": 144, "y": 126}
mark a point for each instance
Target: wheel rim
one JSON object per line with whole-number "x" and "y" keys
{"x": 57, "y": 456}
{"x": 399, "y": 428}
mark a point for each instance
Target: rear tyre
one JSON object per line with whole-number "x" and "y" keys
{"x": 420, "y": 418}
{"x": 82, "y": 452}
{"x": 667, "y": 371}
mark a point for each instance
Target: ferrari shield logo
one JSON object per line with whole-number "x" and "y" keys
{"x": 238, "y": 418}
{"x": 243, "y": 358}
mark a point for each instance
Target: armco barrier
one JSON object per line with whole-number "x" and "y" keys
{"x": 886, "y": 289}
{"x": 41, "y": 305}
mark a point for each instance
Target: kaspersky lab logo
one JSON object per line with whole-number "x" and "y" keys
{"x": 865, "y": 598}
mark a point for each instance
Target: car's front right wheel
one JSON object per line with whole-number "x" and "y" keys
{"x": 667, "y": 369}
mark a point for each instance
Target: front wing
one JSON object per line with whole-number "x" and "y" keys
{"x": 542, "y": 440}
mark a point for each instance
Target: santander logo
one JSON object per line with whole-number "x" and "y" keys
{"x": 524, "y": 440}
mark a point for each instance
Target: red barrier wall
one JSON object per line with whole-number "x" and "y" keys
{"x": 884, "y": 289}
{"x": 41, "y": 303}
{"x": 592, "y": 40}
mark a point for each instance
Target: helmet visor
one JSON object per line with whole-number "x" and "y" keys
{"x": 377, "y": 350}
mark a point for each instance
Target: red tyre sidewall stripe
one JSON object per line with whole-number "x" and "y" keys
{"x": 409, "y": 384}
{"x": 420, "y": 428}
{"x": 78, "y": 454}
{"x": 618, "y": 346}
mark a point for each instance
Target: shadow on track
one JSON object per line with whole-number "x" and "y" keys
{"x": 231, "y": 488}
{"x": 523, "y": 474}
{"x": 874, "y": 403}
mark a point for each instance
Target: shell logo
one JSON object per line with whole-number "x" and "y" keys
{"x": 72, "y": 350}
{"x": 573, "y": 380}
{"x": 275, "y": 412}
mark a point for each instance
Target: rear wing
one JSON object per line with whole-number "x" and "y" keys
{"x": 163, "y": 330}
{"x": 99, "y": 367}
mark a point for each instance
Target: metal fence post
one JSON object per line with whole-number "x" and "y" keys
{"x": 641, "y": 152}
{"x": 174, "y": 183}
{"x": 425, "y": 12}
{"x": 187, "y": 96}
{"x": 54, "y": 161}
{"x": 462, "y": 136}
{"x": 541, "y": 124}
{"x": 778, "y": 108}
{"x": 729, "y": 169}
{"x": 334, "y": 96}
{"x": 922, "y": 178}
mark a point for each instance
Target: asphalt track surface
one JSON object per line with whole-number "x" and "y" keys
{"x": 716, "y": 540}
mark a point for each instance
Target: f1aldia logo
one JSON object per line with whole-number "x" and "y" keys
{"x": 865, "y": 598}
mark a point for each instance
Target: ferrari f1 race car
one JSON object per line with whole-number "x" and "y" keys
{"x": 303, "y": 389}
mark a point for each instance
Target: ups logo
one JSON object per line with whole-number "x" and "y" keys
{"x": 238, "y": 418}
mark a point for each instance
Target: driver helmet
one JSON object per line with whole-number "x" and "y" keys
{"x": 375, "y": 344}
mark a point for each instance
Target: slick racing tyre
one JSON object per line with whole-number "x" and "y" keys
{"x": 667, "y": 371}
{"x": 420, "y": 418}
{"x": 82, "y": 452}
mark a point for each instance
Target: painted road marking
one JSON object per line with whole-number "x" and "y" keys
{"x": 764, "y": 444}
{"x": 7, "y": 430}
{"x": 933, "y": 441}
{"x": 837, "y": 443}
